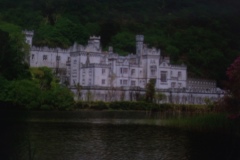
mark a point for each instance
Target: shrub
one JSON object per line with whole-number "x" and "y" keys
{"x": 60, "y": 98}
{"x": 46, "y": 107}
{"x": 23, "y": 93}
{"x": 99, "y": 105}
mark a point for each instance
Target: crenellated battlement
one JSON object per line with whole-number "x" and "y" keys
{"x": 139, "y": 38}
{"x": 201, "y": 83}
{"x": 178, "y": 66}
{"x": 152, "y": 51}
{"x": 95, "y": 38}
{"x": 28, "y": 33}
{"x": 47, "y": 49}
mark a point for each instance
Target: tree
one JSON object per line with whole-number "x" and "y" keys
{"x": 232, "y": 99}
{"x": 233, "y": 73}
{"x": 79, "y": 89}
{"x": 25, "y": 93}
{"x": 150, "y": 90}
{"x": 44, "y": 76}
{"x": 159, "y": 97}
{"x": 13, "y": 53}
{"x": 124, "y": 43}
{"x": 89, "y": 96}
{"x": 112, "y": 89}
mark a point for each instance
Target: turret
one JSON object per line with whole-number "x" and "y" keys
{"x": 139, "y": 44}
{"x": 28, "y": 36}
{"x": 95, "y": 41}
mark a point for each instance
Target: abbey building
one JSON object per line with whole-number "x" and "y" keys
{"x": 107, "y": 76}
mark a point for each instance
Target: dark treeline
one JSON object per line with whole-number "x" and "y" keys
{"x": 202, "y": 34}
{"x": 25, "y": 88}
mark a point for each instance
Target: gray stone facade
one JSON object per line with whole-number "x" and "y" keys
{"x": 107, "y": 76}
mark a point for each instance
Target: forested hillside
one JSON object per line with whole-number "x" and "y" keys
{"x": 203, "y": 34}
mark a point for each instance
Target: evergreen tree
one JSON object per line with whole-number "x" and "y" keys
{"x": 150, "y": 90}
{"x": 13, "y": 63}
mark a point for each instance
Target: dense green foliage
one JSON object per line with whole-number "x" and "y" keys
{"x": 210, "y": 122}
{"x": 13, "y": 52}
{"x": 34, "y": 88}
{"x": 231, "y": 101}
{"x": 29, "y": 93}
{"x": 150, "y": 90}
{"x": 197, "y": 32}
{"x": 143, "y": 106}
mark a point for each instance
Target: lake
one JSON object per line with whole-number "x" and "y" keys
{"x": 104, "y": 135}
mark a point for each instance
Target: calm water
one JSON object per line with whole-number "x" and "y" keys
{"x": 107, "y": 136}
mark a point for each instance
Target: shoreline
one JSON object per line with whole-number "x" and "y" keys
{"x": 203, "y": 122}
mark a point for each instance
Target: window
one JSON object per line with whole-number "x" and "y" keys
{"x": 103, "y": 71}
{"x": 32, "y": 56}
{"x": 103, "y": 81}
{"x": 124, "y": 70}
{"x": 163, "y": 76}
{"x": 132, "y": 71}
{"x": 173, "y": 84}
{"x": 44, "y": 57}
{"x": 75, "y": 61}
{"x": 153, "y": 70}
{"x": 133, "y": 83}
{"x": 179, "y": 85}
{"x": 179, "y": 74}
{"x": 58, "y": 58}
{"x": 125, "y": 82}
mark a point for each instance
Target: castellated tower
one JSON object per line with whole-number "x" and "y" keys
{"x": 139, "y": 44}
{"x": 95, "y": 41}
{"x": 29, "y": 36}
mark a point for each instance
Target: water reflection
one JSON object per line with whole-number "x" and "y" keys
{"x": 80, "y": 139}
{"x": 98, "y": 141}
